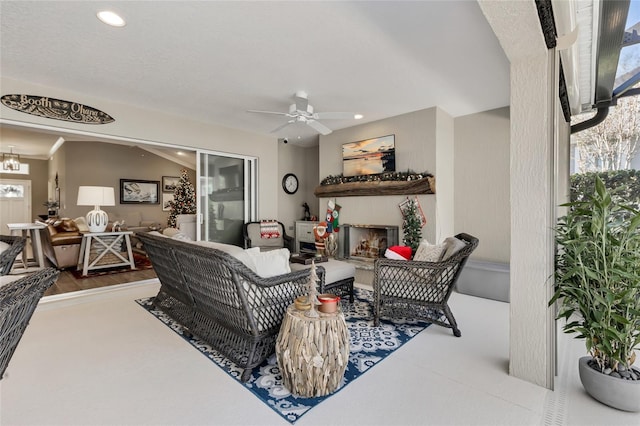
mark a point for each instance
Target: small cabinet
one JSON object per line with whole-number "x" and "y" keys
{"x": 305, "y": 239}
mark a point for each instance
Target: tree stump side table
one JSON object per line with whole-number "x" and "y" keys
{"x": 312, "y": 353}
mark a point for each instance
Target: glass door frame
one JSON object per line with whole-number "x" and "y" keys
{"x": 250, "y": 170}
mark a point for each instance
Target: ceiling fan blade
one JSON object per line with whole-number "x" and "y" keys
{"x": 268, "y": 112}
{"x": 283, "y": 126}
{"x": 333, "y": 115}
{"x": 319, "y": 127}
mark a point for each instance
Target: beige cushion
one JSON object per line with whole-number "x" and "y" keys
{"x": 270, "y": 263}
{"x": 452, "y": 246}
{"x": 81, "y": 223}
{"x": 428, "y": 252}
{"x": 335, "y": 270}
{"x": 170, "y": 232}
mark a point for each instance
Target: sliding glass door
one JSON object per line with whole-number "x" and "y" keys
{"x": 227, "y": 196}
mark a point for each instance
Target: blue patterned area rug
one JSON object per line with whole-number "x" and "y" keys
{"x": 369, "y": 346}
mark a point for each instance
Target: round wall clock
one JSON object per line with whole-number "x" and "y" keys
{"x": 290, "y": 183}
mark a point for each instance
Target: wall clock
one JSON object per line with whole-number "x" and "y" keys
{"x": 290, "y": 183}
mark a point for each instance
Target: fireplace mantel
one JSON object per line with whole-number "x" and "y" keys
{"x": 425, "y": 185}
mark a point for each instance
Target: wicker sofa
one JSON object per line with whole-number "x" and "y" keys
{"x": 220, "y": 299}
{"x": 14, "y": 245}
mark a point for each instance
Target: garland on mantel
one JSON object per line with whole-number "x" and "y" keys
{"x": 407, "y": 176}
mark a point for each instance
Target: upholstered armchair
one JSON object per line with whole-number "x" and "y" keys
{"x": 420, "y": 289}
{"x": 14, "y": 246}
{"x": 267, "y": 235}
{"x": 18, "y": 300}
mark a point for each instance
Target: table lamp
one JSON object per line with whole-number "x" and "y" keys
{"x": 96, "y": 196}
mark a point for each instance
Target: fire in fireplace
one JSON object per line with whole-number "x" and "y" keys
{"x": 367, "y": 242}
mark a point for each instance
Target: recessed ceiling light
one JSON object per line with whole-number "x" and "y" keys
{"x": 180, "y": 153}
{"x": 358, "y": 116}
{"x": 111, "y": 18}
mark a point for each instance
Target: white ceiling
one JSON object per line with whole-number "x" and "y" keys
{"x": 212, "y": 61}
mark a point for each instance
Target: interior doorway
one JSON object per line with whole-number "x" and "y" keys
{"x": 15, "y": 203}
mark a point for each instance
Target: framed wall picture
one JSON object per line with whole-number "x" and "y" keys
{"x": 169, "y": 183}
{"x": 135, "y": 191}
{"x": 166, "y": 197}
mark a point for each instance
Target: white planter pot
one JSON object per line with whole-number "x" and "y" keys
{"x": 612, "y": 391}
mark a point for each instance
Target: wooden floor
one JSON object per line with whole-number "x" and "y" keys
{"x": 67, "y": 282}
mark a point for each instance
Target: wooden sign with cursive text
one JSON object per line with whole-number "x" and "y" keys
{"x": 57, "y": 109}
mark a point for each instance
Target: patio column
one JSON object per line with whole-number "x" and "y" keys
{"x": 533, "y": 123}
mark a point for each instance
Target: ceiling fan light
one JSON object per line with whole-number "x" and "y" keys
{"x": 111, "y": 18}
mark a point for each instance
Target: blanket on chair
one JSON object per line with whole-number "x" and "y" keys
{"x": 269, "y": 229}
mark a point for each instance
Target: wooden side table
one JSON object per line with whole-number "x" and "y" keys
{"x": 34, "y": 230}
{"x": 100, "y": 250}
{"x": 312, "y": 353}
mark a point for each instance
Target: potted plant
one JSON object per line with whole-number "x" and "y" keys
{"x": 598, "y": 290}
{"x": 52, "y": 207}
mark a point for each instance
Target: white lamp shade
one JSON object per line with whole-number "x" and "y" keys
{"x": 96, "y": 196}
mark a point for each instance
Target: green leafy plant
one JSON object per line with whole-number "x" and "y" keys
{"x": 598, "y": 276}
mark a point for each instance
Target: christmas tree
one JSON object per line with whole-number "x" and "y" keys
{"x": 184, "y": 199}
{"x": 412, "y": 226}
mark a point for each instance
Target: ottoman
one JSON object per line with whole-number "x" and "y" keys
{"x": 337, "y": 278}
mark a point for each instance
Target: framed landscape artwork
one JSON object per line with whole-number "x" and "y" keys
{"x": 166, "y": 197}
{"x": 369, "y": 157}
{"x": 169, "y": 183}
{"x": 135, "y": 191}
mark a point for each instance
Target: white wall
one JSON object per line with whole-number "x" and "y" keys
{"x": 482, "y": 206}
{"x": 303, "y": 162}
{"x": 415, "y": 143}
{"x": 153, "y": 126}
{"x": 445, "y": 179}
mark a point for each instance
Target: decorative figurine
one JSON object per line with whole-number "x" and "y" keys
{"x": 307, "y": 212}
{"x": 313, "y": 293}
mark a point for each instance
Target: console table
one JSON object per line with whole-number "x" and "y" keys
{"x": 312, "y": 353}
{"x": 100, "y": 250}
{"x": 34, "y": 230}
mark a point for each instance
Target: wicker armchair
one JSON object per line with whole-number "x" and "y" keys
{"x": 8, "y": 256}
{"x": 251, "y": 234}
{"x": 419, "y": 289}
{"x": 18, "y": 300}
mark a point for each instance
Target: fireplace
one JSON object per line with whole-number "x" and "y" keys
{"x": 366, "y": 242}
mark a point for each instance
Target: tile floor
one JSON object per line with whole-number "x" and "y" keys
{"x": 97, "y": 358}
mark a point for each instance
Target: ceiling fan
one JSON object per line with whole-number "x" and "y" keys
{"x": 301, "y": 111}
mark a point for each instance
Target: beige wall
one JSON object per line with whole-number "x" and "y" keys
{"x": 104, "y": 164}
{"x": 481, "y": 194}
{"x": 415, "y": 142}
{"x": 303, "y": 162}
{"x": 146, "y": 126}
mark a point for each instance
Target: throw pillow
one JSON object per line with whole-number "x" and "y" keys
{"x": 428, "y": 252}
{"x": 244, "y": 257}
{"x": 4, "y": 246}
{"x": 81, "y": 223}
{"x": 270, "y": 263}
{"x": 170, "y": 232}
{"x": 452, "y": 246}
{"x": 67, "y": 225}
{"x": 182, "y": 237}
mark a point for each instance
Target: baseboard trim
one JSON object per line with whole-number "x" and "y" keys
{"x": 96, "y": 292}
